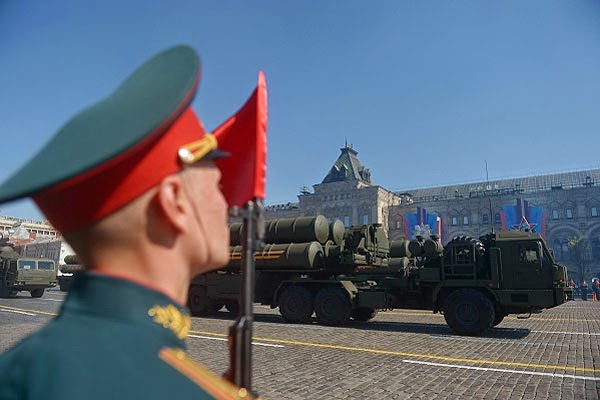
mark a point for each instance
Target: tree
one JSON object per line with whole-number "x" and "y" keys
{"x": 579, "y": 252}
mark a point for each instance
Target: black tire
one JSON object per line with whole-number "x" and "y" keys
{"x": 296, "y": 304}
{"x": 468, "y": 312}
{"x": 499, "y": 315}
{"x": 198, "y": 301}
{"x": 363, "y": 314}
{"x": 37, "y": 293}
{"x": 13, "y": 294}
{"x": 4, "y": 291}
{"x": 64, "y": 287}
{"x": 332, "y": 306}
{"x": 233, "y": 307}
{"x": 467, "y": 240}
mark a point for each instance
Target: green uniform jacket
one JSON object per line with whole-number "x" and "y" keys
{"x": 113, "y": 339}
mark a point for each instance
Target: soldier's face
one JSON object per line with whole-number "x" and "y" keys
{"x": 210, "y": 211}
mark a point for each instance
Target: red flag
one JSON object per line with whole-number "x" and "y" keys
{"x": 244, "y": 135}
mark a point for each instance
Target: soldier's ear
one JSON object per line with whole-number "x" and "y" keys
{"x": 173, "y": 203}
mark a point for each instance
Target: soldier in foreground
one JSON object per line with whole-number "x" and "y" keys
{"x": 132, "y": 184}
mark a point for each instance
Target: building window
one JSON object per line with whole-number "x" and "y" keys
{"x": 594, "y": 211}
{"x": 398, "y": 224}
{"x": 365, "y": 219}
{"x": 454, "y": 221}
{"x": 569, "y": 213}
{"x": 554, "y": 214}
{"x": 465, "y": 220}
{"x": 346, "y": 220}
{"x": 485, "y": 219}
{"x": 497, "y": 219}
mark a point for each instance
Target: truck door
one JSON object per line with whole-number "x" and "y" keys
{"x": 529, "y": 270}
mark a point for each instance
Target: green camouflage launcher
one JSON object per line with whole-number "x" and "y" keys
{"x": 311, "y": 266}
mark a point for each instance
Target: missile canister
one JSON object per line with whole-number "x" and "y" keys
{"x": 399, "y": 248}
{"x": 294, "y": 230}
{"x": 432, "y": 248}
{"x": 72, "y": 259}
{"x": 336, "y": 231}
{"x": 71, "y": 264}
{"x": 286, "y": 256}
{"x": 416, "y": 248}
{"x": 235, "y": 233}
{"x": 398, "y": 262}
{"x": 297, "y": 230}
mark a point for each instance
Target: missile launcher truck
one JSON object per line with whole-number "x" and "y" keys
{"x": 312, "y": 266}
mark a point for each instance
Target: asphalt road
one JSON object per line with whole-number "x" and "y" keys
{"x": 401, "y": 354}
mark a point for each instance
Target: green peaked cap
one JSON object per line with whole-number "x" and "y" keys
{"x": 141, "y": 108}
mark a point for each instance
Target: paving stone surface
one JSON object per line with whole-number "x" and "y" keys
{"x": 400, "y": 354}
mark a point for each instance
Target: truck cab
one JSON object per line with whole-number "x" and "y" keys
{"x": 524, "y": 263}
{"x": 19, "y": 273}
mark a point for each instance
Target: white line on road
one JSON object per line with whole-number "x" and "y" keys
{"x": 492, "y": 340}
{"x": 511, "y": 371}
{"x": 224, "y": 340}
{"x": 61, "y": 300}
{"x": 569, "y": 333}
{"x": 17, "y": 312}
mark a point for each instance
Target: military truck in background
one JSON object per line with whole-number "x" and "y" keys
{"x": 68, "y": 271}
{"x": 19, "y": 273}
{"x": 312, "y": 266}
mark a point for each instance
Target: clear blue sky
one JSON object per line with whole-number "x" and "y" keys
{"x": 426, "y": 91}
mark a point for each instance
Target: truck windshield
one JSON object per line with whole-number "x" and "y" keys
{"x": 46, "y": 265}
{"x": 26, "y": 264}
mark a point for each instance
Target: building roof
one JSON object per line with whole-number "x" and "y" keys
{"x": 348, "y": 167}
{"x": 530, "y": 184}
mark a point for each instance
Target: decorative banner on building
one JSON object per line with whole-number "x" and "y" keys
{"x": 524, "y": 217}
{"x": 422, "y": 223}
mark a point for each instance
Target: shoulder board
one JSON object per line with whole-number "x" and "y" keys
{"x": 213, "y": 384}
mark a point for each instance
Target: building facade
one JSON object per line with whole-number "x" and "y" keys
{"x": 564, "y": 208}
{"x": 346, "y": 193}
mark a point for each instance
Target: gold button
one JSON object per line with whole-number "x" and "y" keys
{"x": 242, "y": 393}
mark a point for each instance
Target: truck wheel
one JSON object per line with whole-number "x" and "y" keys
{"x": 468, "y": 312}
{"x": 63, "y": 285}
{"x": 332, "y": 306}
{"x": 233, "y": 307}
{"x": 37, "y": 293}
{"x": 499, "y": 314}
{"x": 12, "y": 293}
{"x": 198, "y": 301}
{"x": 364, "y": 314}
{"x": 295, "y": 304}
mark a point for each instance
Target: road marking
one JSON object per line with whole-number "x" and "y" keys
{"x": 26, "y": 310}
{"x": 53, "y": 300}
{"x": 416, "y": 355}
{"x": 298, "y": 326}
{"x": 492, "y": 340}
{"x": 417, "y": 313}
{"x": 17, "y": 312}
{"x": 551, "y": 319}
{"x": 511, "y": 371}
{"x": 224, "y": 340}
{"x": 568, "y": 333}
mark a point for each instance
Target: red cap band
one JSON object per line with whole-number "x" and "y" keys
{"x": 92, "y": 195}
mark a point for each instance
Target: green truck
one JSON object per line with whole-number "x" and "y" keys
{"x": 312, "y": 266}
{"x": 18, "y": 273}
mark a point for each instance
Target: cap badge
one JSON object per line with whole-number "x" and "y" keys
{"x": 192, "y": 152}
